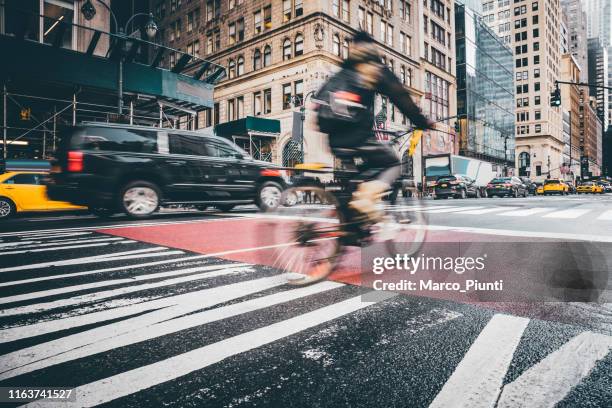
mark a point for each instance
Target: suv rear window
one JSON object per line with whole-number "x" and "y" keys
{"x": 187, "y": 144}
{"x": 114, "y": 139}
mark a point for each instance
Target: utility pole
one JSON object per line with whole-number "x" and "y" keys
{"x": 4, "y": 125}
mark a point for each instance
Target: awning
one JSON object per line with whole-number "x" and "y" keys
{"x": 249, "y": 126}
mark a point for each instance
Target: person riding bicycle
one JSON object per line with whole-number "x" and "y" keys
{"x": 346, "y": 114}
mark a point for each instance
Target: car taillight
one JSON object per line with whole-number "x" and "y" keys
{"x": 270, "y": 173}
{"x": 75, "y": 161}
{"x": 490, "y": 185}
{"x": 508, "y": 185}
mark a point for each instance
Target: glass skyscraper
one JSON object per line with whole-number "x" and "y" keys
{"x": 485, "y": 89}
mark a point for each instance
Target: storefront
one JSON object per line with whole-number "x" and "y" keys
{"x": 257, "y": 136}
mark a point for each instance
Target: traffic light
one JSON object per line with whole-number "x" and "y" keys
{"x": 555, "y": 98}
{"x": 457, "y": 126}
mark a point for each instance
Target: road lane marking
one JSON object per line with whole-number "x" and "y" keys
{"x": 43, "y": 244}
{"x": 134, "y": 330}
{"x": 477, "y": 380}
{"x": 549, "y": 381}
{"x": 115, "y": 226}
{"x": 606, "y": 216}
{"x": 526, "y": 212}
{"x": 183, "y": 303}
{"x": 65, "y": 247}
{"x": 515, "y": 233}
{"x": 452, "y": 209}
{"x": 567, "y": 214}
{"x": 488, "y": 210}
{"x": 97, "y": 296}
{"x": 84, "y": 260}
{"x": 48, "y": 235}
{"x": 101, "y": 284}
{"x": 126, "y": 267}
{"x": 130, "y": 382}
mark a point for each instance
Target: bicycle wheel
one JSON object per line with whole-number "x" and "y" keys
{"x": 403, "y": 228}
{"x": 306, "y": 236}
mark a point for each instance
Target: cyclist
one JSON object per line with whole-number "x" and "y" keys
{"x": 348, "y": 117}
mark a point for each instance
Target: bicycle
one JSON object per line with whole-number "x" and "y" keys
{"x": 314, "y": 236}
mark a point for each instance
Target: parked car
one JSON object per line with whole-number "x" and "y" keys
{"x": 506, "y": 186}
{"x": 589, "y": 188}
{"x": 135, "y": 170}
{"x": 606, "y": 186}
{"x": 530, "y": 184}
{"x": 555, "y": 186}
{"x": 22, "y": 191}
{"x": 540, "y": 189}
{"x": 457, "y": 186}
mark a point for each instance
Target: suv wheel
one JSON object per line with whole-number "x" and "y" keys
{"x": 139, "y": 199}
{"x": 7, "y": 208}
{"x": 269, "y": 195}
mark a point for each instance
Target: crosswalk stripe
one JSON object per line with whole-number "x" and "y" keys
{"x": 488, "y": 210}
{"x": 132, "y": 331}
{"x": 101, "y": 284}
{"x": 479, "y": 376}
{"x": 40, "y": 244}
{"x": 452, "y": 209}
{"x": 526, "y": 212}
{"x": 63, "y": 248}
{"x": 567, "y": 214}
{"x": 606, "y": 216}
{"x": 83, "y": 260}
{"x": 183, "y": 303}
{"x": 130, "y": 382}
{"x": 97, "y": 296}
{"x": 49, "y": 235}
{"x": 548, "y": 382}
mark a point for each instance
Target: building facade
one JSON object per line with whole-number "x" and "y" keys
{"x": 535, "y": 40}
{"x": 570, "y": 103}
{"x": 485, "y": 91}
{"x": 577, "y": 30}
{"x": 279, "y": 52}
{"x": 591, "y": 131}
{"x": 598, "y": 74}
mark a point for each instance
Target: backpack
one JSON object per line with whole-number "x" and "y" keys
{"x": 341, "y": 106}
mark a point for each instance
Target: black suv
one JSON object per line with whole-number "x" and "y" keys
{"x": 132, "y": 169}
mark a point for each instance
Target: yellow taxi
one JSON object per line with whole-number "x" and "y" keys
{"x": 555, "y": 186}
{"x": 590, "y": 188}
{"x": 22, "y": 191}
{"x": 540, "y": 189}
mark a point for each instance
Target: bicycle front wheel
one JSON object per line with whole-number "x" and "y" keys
{"x": 308, "y": 235}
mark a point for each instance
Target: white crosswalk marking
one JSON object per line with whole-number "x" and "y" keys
{"x": 66, "y": 247}
{"x": 606, "y": 216}
{"x": 526, "y": 212}
{"x": 450, "y": 209}
{"x": 568, "y": 214}
{"x": 129, "y": 382}
{"x": 488, "y": 210}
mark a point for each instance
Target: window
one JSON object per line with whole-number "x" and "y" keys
{"x": 232, "y": 33}
{"x": 390, "y": 35}
{"x": 25, "y": 178}
{"x": 538, "y": 115}
{"x": 286, "y": 96}
{"x": 536, "y": 59}
{"x": 299, "y": 45}
{"x": 336, "y": 44}
{"x": 536, "y": 100}
{"x": 299, "y": 8}
{"x": 257, "y": 104}
{"x": 299, "y": 92}
{"x": 186, "y": 144}
{"x": 267, "y": 60}
{"x": 536, "y": 33}
{"x": 536, "y": 86}
{"x": 536, "y": 73}
{"x": 231, "y": 67}
{"x": 534, "y": 6}
{"x": 383, "y": 31}
{"x": 404, "y": 10}
{"x": 361, "y": 18}
{"x": 286, "y": 10}
{"x": 345, "y": 49}
{"x": 257, "y": 21}
{"x": 370, "y": 23}
{"x": 240, "y": 29}
{"x": 240, "y": 107}
{"x": 336, "y": 8}
{"x": 216, "y": 114}
{"x": 256, "y": 60}
{"x": 403, "y": 74}
{"x": 240, "y": 66}
{"x": 538, "y": 170}
{"x": 267, "y": 101}
{"x": 536, "y": 46}
{"x": 538, "y": 128}
{"x": 232, "y": 4}
{"x": 286, "y": 49}
{"x": 218, "y": 149}
{"x": 267, "y": 17}
{"x": 346, "y": 11}
{"x": 231, "y": 110}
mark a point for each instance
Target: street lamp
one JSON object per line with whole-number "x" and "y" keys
{"x": 302, "y": 102}
{"x": 150, "y": 28}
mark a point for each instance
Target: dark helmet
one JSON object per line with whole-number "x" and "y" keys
{"x": 363, "y": 48}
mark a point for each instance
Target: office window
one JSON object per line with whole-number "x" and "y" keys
{"x": 286, "y": 96}
{"x": 267, "y": 60}
{"x": 256, "y": 60}
{"x": 287, "y": 10}
{"x": 240, "y": 107}
{"x": 286, "y": 49}
{"x": 240, "y": 29}
{"x": 299, "y": 45}
{"x": 298, "y": 87}
{"x": 299, "y": 8}
{"x": 336, "y": 8}
{"x": 231, "y": 110}
{"x": 346, "y": 11}
{"x": 267, "y": 12}
{"x": 536, "y": 100}
{"x": 538, "y": 128}
{"x": 232, "y": 33}
{"x": 336, "y": 44}
{"x": 361, "y": 18}
{"x": 370, "y": 23}
{"x": 383, "y": 31}
{"x": 240, "y": 66}
{"x": 231, "y": 67}
{"x": 536, "y": 73}
{"x": 267, "y": 101}
{"x": 257, "y": 22}
{"x": 345, "y": 49}
{"x": 538, "y": 115}
{"x": 257, "y": 104}
{"x": 390, "y": 35}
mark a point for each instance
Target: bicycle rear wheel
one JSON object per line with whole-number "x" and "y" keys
{"x": 403, "y": 228}
{"x": 308, "y": 236}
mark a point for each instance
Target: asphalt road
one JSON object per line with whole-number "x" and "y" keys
{"x": 189, "y": 310}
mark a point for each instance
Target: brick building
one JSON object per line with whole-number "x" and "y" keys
{"x": 277, "y": 52}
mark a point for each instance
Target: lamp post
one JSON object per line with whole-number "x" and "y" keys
{"x": 89, "y": 11}
{"x": 302, "y": 102}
